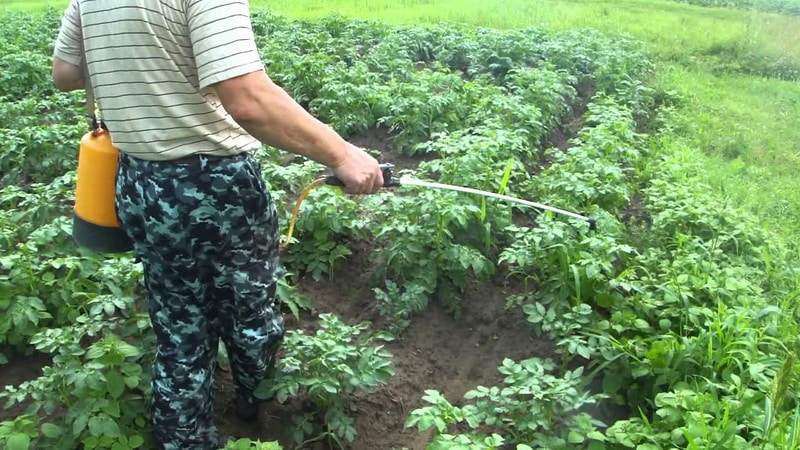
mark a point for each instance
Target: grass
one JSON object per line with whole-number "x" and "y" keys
{"x": 746, "y": 126}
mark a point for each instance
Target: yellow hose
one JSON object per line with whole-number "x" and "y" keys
{"x": 315, "y": 184}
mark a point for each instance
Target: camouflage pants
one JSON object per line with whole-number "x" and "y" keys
{"x": 207, "y": 234}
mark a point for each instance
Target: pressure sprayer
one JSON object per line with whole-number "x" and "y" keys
{"x": 95, "y": 224}
{"x": 389, "y": 180}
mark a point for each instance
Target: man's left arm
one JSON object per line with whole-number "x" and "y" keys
{"x": 68, "y": 57}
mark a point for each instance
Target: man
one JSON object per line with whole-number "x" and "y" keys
{"x": 181, "y": 86}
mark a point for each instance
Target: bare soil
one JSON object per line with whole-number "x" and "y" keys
{"x": 437, "y": 351}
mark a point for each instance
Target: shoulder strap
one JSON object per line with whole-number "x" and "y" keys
{"x": 94, "y": 124}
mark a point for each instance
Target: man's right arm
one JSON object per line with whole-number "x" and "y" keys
{"x": 269, "y": 114}
{"x": 227, "y": 59}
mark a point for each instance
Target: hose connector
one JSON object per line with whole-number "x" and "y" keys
{"x": 389, "y": 180}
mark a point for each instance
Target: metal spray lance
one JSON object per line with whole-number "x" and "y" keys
{"x": 391, "y": 181}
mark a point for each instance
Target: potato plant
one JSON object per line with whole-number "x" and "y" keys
{"x": 532, "y": 406}
{"x": 329, "y": 367}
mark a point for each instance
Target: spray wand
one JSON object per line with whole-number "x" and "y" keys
{"x": 389, "y": 180}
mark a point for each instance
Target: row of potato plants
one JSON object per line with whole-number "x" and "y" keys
{"x": 680, "y": 315}
{"x": 673, "y": 312}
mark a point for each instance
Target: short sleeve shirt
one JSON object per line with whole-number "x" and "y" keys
{"x": 153, "y": 64}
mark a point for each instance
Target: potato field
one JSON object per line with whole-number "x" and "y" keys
{"x": 423, "y": 318}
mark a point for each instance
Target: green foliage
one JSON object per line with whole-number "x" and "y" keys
{"x": 45, "y": 150}
{"x": 42, "y": 287}
{"x": 425, "y": 103}
{"x": 102, "y": 388}
{"x": 685, "y": 318}
{"x": 36, "y": 147}
{"x": 569, "y": 266}
{"x": 427, "y": 251}
{"x": 354, "y": 102}
{"x": 22, "y": 73}
{"x": 552, "y": 90}
{"x": 20, "y": 433}
{"x": 288, "y": 297}
{"x": 533, "y": 406}
{"x": 41, "y": 111}
{"x": 399, "y": 306}
{"x": 328, "y": 368}
{"x": 247, "y": 444}
{"x": 326, "y": 222}
{"x": 57, "y": 299}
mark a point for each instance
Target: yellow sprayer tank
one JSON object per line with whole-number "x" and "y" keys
{"x": 95, "y": 224}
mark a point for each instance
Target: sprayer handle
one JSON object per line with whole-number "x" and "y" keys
{"x": 388, "y": 178}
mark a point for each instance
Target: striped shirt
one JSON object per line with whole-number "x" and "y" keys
{"x": 152, "y": 64}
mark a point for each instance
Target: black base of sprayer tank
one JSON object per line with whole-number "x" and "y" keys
{"x": 99, "y": 238}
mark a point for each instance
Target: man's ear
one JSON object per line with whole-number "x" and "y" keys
{"x": 67, "y": 77}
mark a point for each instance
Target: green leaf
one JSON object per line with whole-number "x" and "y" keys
{"x": 52, "y": 431}
{"x": 132, "y": 381}
{"x": 18, "y": 441}
{"x": 91, "y": 442}
{"x": 604, "y": 300}
{"x": 596, "y": 435}
{"x": 575, "y": 437}
{"x": 127, "y": 350}
{"x": 596, "y": 446}
{"x": 423, "y": 423}
{"x": 640, "y": 371}
{"x": 112, "y": 408}
{"x": 115, "y": 383}
{"x": 79, "y": 424}
{"x": 110, "y": 428}
{"x": 506, "y": 176}
{"x": 95, "y": 426}
{"x": 243, "y": 444}
{"x": 135, "y": 441}
{"x": 440, "y": 424}
{"x": 95, "y": 351}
